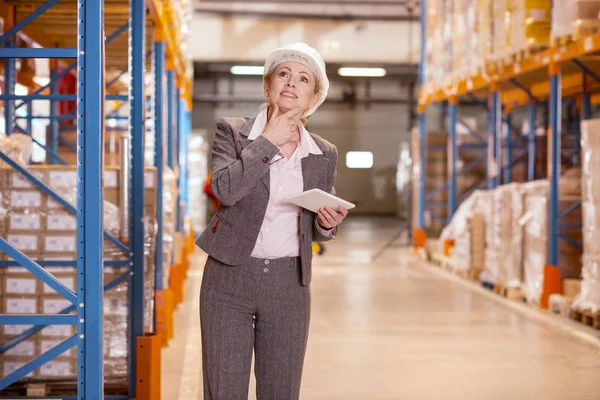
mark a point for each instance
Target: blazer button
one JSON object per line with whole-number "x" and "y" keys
{"x": 265, "y": 160}
{"x": 214, "y": 229}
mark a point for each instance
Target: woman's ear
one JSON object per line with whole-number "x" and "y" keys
{"x": 266, "y": 88}
{"x": 314, "y": 101}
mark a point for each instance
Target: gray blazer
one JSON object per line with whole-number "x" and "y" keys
{"x": 241, "y": 182}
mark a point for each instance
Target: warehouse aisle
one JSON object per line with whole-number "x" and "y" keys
{"x": 385, "y": 328}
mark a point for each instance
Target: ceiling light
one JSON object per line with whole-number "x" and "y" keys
{"x": 359, "y": 159}
{"x": 362, "y": 72}
{"x": 246, "y": 70}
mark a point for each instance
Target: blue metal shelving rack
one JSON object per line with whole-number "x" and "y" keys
{"x": 87, "y": 300}
{"x": 172, "y": 122}
{"x": 530, "y": 83}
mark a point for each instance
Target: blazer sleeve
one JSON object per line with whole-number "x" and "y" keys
{"x": 234, "y": 176}
{"x": 319, "y": 235}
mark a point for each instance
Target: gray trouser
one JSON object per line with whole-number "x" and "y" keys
{"x": 260, "y": 305}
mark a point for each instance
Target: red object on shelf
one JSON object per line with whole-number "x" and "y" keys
{"x": 209, "y": 191}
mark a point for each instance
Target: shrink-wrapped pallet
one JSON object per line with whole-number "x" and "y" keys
{"x": 589, "y": 297}
{"x": 500, "y": 30}
{"x": 503, "y": 264}
{"x": 574, "y": 18}
{"x": 467, "y": 231}
{"x": 535, "y": 232}
{"x": 485, "y": 31}
{"x": 535, "y": 238}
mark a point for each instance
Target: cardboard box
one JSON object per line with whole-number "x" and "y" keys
{"x": 571, "y": 288}
{"x": 26, "y": 243}
{"x": 19, "y": 304}
{"x": 19, "y": 284}
{"x": 58, "y": 222}
{"x": 25, "y": 222}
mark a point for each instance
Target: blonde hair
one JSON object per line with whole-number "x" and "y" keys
{"x": 304, "y": 118}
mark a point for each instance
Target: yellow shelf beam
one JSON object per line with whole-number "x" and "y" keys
{"x": 166, "y": 18}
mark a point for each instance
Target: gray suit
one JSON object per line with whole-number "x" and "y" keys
{"x": 245, "y": 302}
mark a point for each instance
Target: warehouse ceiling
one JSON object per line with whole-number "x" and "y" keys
{"x": 345, "y": 10}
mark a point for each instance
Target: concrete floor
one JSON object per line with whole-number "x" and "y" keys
{"x": 386, "y": 327}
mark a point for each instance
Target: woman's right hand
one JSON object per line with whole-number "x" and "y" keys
{"x": 282, "y": 128}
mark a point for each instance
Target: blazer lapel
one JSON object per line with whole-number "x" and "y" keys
{"x": 245, "y": 131}
{"x": 244, "y": 141}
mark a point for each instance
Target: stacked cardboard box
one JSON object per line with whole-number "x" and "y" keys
{"x": 68, "y": 139}
{"x": 436, "y": 172}
{"x": 477, "y": 233}
{"x": 43, "y": 229}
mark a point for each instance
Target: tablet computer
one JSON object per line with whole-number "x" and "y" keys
{"x": 314, "y": 199}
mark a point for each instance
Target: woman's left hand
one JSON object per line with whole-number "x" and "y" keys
{"x": 328, "y": 218}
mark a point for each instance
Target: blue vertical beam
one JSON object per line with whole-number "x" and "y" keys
{"x": 180, "y": 124}
{"x": 10, "y": 80}
{"x": 495, "y": 125}
{"x": 422, "y": 155}
{"x": 555, "y": 159}
{"x": 159, "y": 131}
{"x": 90, "y": 124}
{"x": 184, "y": 167}
{"x": 137, "y": 130}
{"x": 452, "y": 113}
{"x": 171, "y": 118}
{"x": 54, "y": 123}
{"x": 507, "y": 149}
{"x": 29, "y": 120}
{"x": 531, "y": 141}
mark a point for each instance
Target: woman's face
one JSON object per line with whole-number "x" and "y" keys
{"x": 292, "y": 85}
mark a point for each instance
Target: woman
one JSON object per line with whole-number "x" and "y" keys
{"x": 256, "y": 286}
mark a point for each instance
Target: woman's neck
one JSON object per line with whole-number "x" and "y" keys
{"x": 281, "y": 111}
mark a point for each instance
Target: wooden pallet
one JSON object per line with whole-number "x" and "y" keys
{"x": 511, "y": 293}
{"x": 475, "y": 274}
{"x": 586, "y": 317}
{"x": 527, "y": 52}
{"x": 59, "y": 388}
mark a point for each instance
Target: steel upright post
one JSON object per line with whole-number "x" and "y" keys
{"x": 90, "y": 124}
{"x": 159, "y": 130}
{"x": 552, "y": 279}
{"x": 452, "y": 114}
{"x": 508, "y": 147}
{"x": 137, "y": 130}
{"x": 54, "y": 123}
{"x": 531, "y": 141}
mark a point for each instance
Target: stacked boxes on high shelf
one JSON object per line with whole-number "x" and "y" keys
{"x": 436, "y": 175}
{"x": 436, "y": 172}
{"x": 42, "y": 229}
{"x": 572, "y": 19}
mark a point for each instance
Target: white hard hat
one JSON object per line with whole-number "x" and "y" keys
{"x": 304, "y": 54}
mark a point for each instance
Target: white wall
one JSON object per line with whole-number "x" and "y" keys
{"x": 252, "y": 39}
